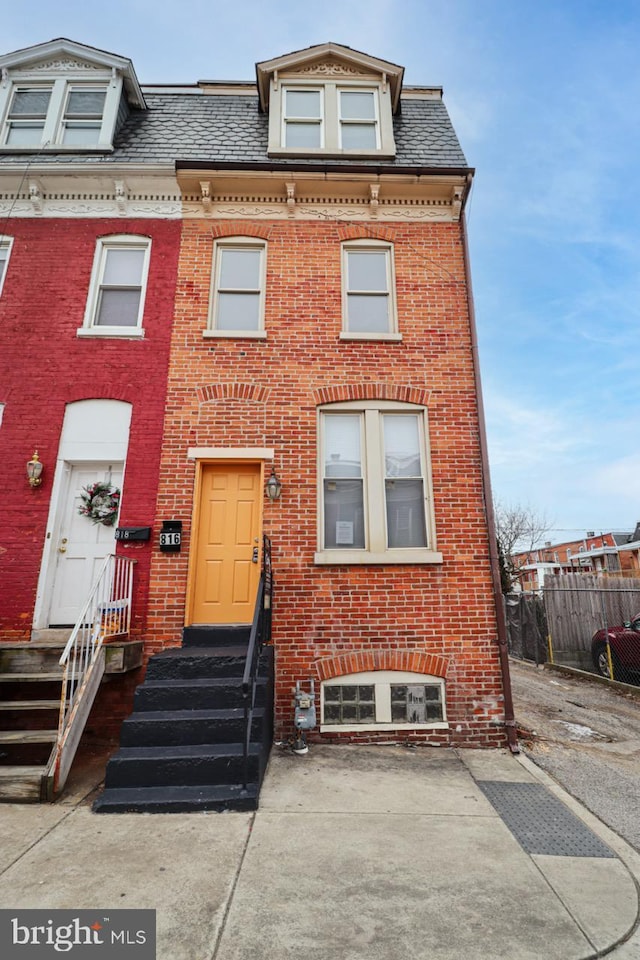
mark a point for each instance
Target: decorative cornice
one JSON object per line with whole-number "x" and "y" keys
{"x": 65, "y": 64}
{"x": 87, "y": 205}
{"x": 291, "y": 207}
{"x": 331, "y": 68}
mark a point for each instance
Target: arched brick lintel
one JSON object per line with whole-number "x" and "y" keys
{"x": 401, "y": 393}
{"x": 245, "y": 229}
{"x": 366, "y": 661}
{"x": 232, "y": 391}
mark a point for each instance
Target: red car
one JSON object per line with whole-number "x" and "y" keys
{"x": 624, "y": 641}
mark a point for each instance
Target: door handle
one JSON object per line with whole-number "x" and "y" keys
{"x": 62, "y": 548}
{"x": 254, "y": 558}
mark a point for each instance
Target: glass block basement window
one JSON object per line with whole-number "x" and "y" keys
{"x": 416, "y": 703}
{"x": 383, "y": 699}
{"x": 353, "y": 703}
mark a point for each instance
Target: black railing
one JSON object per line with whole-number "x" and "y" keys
{"x": 259, "y": 636}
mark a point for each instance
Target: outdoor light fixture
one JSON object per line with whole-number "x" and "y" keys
{"x": 273, "y": 486}
{"x": 34, "y": 470}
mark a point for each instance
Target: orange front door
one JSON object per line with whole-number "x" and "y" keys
{"x": 227, "y": 544}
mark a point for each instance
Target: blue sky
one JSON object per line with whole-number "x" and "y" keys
{"x": 544, "y": 96}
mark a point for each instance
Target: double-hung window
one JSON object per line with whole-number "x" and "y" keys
{"x": 82, "y": 118}
{"x": 5, "y": 250}
{"x": 368, "y": 306}
{"x": 303, "y": 117}
{"x": 238, "y": 289}
{"x": 331, "y": 118}
{"x": 375, "y": 491}
{"x": 115, "y": 304}
{"x": 358, "y": 115}
{"x": 59, "y": 114}
{"x": 27, "y": 115}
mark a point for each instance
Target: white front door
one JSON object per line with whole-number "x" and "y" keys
{"x": 81, "y": 545}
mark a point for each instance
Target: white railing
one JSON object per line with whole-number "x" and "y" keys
{"x": 106, "y": 614}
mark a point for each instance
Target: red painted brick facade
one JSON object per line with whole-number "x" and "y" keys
{"x": 265, "y": 393}
{"x": 44, "y": 365}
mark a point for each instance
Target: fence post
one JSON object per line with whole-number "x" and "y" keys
{"x": 550, "y": 647}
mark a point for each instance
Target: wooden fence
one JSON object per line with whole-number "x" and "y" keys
{"x": 579, "y": 604}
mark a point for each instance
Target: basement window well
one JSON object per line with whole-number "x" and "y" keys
{"x": 383, "y": 700}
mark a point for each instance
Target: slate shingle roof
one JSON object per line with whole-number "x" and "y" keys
{"x": 230, "y": 129}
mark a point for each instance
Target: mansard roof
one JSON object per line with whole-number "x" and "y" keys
{"x": 222, "y": 124}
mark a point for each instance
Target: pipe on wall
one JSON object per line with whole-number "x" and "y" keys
{"x": 503, "y": 649}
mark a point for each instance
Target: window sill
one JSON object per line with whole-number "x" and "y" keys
{"x": 235, "y": 334}
{"x": 127, "y": 333}
{"x": 409, "y": 555}
{"x": 57, "y": 148}
{"x": 332, "y": 153}
{"x": 390, "y": 337}
{"x": 374, "y": 727}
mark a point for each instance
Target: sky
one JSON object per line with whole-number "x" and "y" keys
{"x": 544, "y": 97}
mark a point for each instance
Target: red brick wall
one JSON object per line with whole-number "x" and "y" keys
{"x": 44, "y": 366}
{"x": 253, "y": 393}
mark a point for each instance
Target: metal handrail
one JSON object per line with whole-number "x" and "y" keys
{"x": 106, "y": 613}
{"x": 259, "y": 636}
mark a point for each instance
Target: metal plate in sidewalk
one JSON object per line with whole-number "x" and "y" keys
{"x": 540, "y": 822}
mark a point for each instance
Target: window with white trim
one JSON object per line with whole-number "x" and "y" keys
{"x": 5, "y": 251}
{"x": 358, "y": 118}
{"x": 302, "y": 117}
{"x": 60, "y": 113}
{"x": 331, "y": 118}
{"x": 374, "y": 484}
{"x": 115, "y": 304}
{"x": 237, "y": 302}
{"x": 382, "y": 700}
{"x": 368, "y": 289}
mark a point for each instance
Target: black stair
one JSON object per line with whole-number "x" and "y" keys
{"x": 182, "y": 748}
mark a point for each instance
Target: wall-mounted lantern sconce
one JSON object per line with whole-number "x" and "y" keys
{"x": 273, "y": 486}
{"x": 34, "y": 470}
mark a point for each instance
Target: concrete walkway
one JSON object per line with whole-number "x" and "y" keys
{"x": 356, "y": 853}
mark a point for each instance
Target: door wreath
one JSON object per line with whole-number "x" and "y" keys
{"x": 100, "y": 503}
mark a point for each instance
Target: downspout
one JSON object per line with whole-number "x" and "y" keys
{"x": 509, "y": 717}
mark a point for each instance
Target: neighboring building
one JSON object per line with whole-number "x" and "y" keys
{"x": 322, "y": 332}
{"x": 89, "y": 240}
{"x": 601, "y": 553}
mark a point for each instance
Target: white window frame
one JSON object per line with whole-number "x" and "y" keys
{"x": 375, "y": 122}
{"x": 331, "y": 117}
{"x": 287, "y": 121}
{"x": 6, "y": 244}
{"x": 103, "y": 246}
{"x": 383, "y": 680}
{"x": 373, "y": 482}
{"x": 55, "y": 121}
{"x": 377, "y": 246}
{"x": 237, "y": 243}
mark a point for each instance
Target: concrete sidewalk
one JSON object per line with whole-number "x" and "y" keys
{"x": 356, "y": 853}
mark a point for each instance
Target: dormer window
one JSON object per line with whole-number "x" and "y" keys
{"x": 58, "y": 113}
{"x": 64, "y": 97}
{"x": 330, "y": 101}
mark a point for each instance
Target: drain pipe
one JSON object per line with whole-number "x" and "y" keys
{"x": 509, "y": 717}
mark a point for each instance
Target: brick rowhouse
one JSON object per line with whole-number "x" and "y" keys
{"x": 44, "y": 366}
{"x": 332, "y": 620}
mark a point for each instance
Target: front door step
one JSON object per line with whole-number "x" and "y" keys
{"x": 182, "y": 747}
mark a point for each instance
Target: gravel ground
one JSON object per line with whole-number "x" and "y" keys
{"x": 587, "y": 736}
